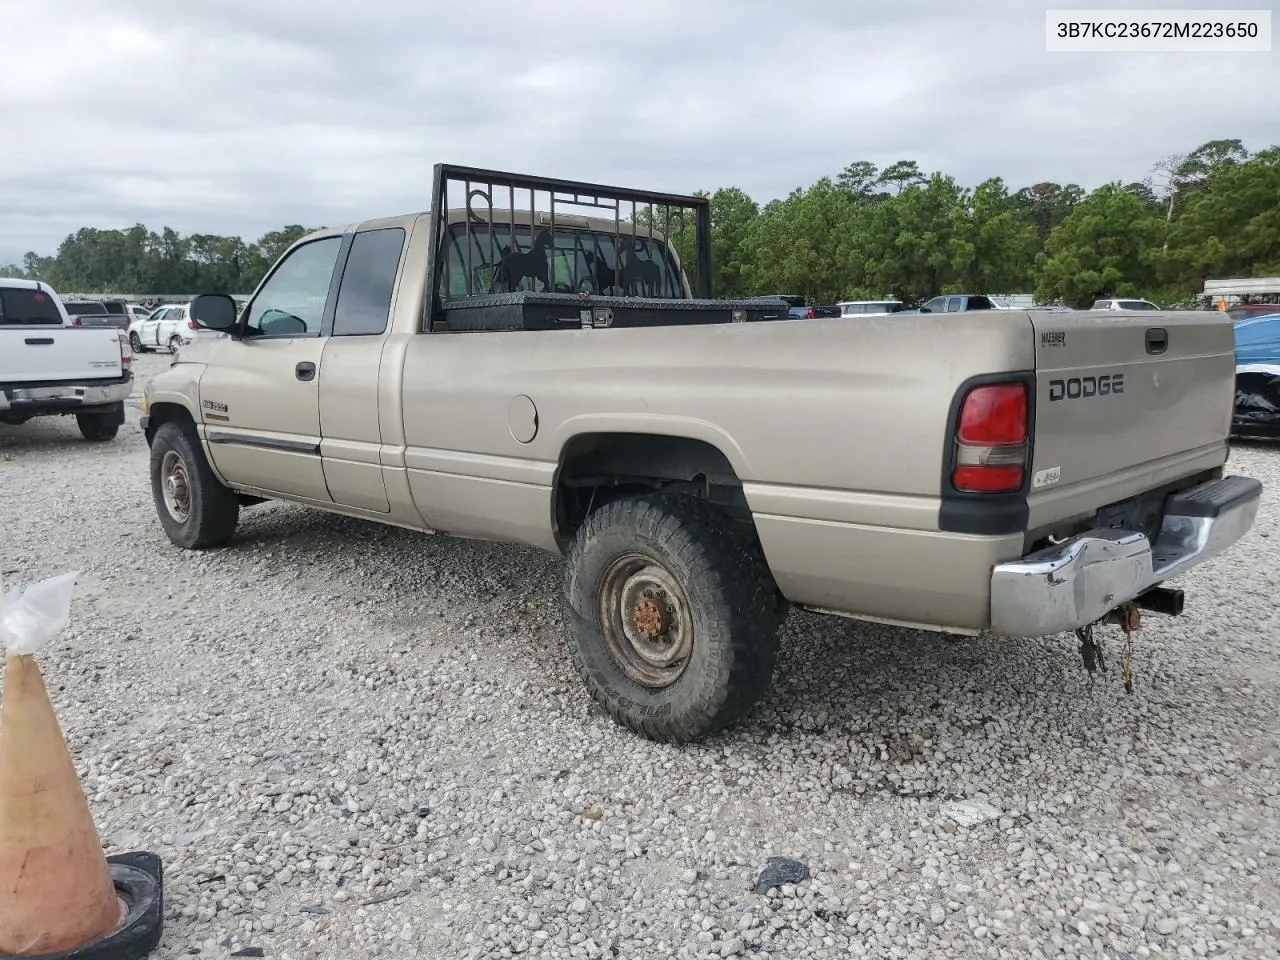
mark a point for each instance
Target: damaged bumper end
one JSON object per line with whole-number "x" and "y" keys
{"x": 1077, "y": 582}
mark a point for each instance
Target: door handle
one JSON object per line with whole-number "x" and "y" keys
{"x": 305, "y": 371}
{"x": 39, "y": 341}
{"x": 1157, "y": 340}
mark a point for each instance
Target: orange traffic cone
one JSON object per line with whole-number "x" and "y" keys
{"x": 58, "y": 892}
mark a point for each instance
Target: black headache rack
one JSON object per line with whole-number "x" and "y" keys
{"x": 520, "y": 252}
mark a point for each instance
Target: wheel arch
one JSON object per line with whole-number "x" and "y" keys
{"x": 597, "y": 466}
{"x": 160, "y": 412}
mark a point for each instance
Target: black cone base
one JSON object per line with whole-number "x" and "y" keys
{"x": 139, "y": 879}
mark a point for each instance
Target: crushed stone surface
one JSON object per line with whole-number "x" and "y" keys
{"x": 350, "y": 740}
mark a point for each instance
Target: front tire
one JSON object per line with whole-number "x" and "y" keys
{"x": 135, "y": 343}
{"x": 670, "y": 615}
{"x": 97, "y": 427}
{"x": 195, "y": 509}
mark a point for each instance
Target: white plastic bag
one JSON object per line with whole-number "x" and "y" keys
{"x": 31, "y": 618}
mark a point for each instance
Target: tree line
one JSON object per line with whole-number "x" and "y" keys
{"x": 866, "y": 233}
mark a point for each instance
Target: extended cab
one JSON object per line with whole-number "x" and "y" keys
{"x": 49, "y": 367}
{"x": 702, "y": 465}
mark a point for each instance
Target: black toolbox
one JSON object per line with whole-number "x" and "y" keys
{"x": 527, "y": 310}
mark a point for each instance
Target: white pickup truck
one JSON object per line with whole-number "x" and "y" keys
{"x": 48, "y": 367}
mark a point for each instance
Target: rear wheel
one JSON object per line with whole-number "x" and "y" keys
{"x": 195, "y": 509}
{"x": 135, "y": 343}
{"x": 97, "y": 427}
{"x": 175, "y": 343}
{"x": 671, "y": 616}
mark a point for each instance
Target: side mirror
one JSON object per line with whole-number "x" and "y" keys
{"x": 214, "y": 311}
{"x": 926, "y": 310}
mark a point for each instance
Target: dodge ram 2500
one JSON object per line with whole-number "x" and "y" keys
{"x": 703, "y": 464}
{"x": 48, "y": 367}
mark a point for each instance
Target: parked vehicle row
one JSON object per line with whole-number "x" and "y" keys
{"x": 798, "y": 307}
{"x": 1022, "y": 472}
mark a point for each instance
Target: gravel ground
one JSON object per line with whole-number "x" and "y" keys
{"x": 348, "y": 740}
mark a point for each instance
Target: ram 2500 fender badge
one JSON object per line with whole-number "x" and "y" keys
{"x": 1078, "y": 388}
{"x": 209, "y": 406}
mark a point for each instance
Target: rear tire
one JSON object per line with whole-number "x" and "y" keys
{"x": 175, "y": 343}
{"x": 195, "y": 509}
{"x": 97, "y": 427}
{"x": 671, "y": 616}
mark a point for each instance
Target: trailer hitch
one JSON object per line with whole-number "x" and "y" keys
{"x": 1128, "y": 617}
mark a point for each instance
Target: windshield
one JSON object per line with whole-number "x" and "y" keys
{"x": 27, "y": 306}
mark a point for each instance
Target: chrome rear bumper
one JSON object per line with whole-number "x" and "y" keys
{"x": 1074, "y": 583}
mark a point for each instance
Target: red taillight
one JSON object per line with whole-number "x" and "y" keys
{"x": 995, "y": 414}
{"x": 192, "y": 325}
{"x": 811, "y": 315}
{"x": 987, "y": 479}
{"x": 126, "y": 352}
{"x": 991, "y": 439}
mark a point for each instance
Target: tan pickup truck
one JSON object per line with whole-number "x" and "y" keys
{"x": 702, "y": 464}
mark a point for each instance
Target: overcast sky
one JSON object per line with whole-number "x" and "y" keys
{"x": 239, "y": 116}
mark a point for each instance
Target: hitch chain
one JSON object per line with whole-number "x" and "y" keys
{"x": 1129, "y": 618}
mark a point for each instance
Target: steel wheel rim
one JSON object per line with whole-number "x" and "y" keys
{"x": 175, "y": 486}
{"x": 645, "y": 619}
{"x": 135, "y": 342}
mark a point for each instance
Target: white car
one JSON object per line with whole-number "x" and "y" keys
{"x": 1123, "y": 305}
{"x": 168, "y": 327}
{"x": 165, "y": 327}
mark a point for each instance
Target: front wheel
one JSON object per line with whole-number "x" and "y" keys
{"x": 671, "y": 616}
{"x": 195, "y": 509}
{"x": 135, "y": 343}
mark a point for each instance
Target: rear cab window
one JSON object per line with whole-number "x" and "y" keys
{"x": 27, "y": 307}
{"x": 579, "y": 260}
{"x": 1136, "y": 305}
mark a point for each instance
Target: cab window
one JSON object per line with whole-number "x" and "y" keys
{"x": 291, "y": 302}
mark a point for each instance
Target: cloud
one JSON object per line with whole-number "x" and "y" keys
{"x": 238, "y": 116}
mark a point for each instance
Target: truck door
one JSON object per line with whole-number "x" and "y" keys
{"x": 261, "y": 408}
{"x": 351, "y": 435}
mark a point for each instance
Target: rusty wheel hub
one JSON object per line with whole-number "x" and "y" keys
{"x": 649, "y": 618}
{"x": 645, "y": 620}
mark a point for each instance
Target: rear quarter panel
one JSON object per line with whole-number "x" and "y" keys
{"x": 835, "y": 426}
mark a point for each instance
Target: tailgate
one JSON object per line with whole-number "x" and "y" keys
{"x": 1126, "y": 402}
{"x": 44, "y": 353}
